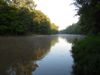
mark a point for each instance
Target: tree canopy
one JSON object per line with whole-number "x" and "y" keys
{"x": 89, "y": 12}
{"x": 72, "y": 29}
{"x": 21, "y": 17}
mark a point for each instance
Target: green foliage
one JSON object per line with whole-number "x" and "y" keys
{"x": 72, "y": 29}
{"x": 86, "y": 52}
{"x": 54, "y": 28}
{"x": 42, "y": 23}
{"x": 89, "y": 12}
{"x": 14, "y": 21}
{"x": 22, "y": 19}
{"x": 86, "y": 55}
{"x": 29, "y": 4}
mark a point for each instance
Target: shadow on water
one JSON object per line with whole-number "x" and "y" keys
{"x": 18, "y": 55}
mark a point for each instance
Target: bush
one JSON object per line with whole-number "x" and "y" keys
{"x": 86, "y": 55}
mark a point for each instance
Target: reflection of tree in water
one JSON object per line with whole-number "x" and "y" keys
{"x": 18, "y": 54}
{"x": 72, "y": 38}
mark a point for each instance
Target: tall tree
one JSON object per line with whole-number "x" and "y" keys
{"x": 30, "y": 4}
{"x": 89, "y": 12}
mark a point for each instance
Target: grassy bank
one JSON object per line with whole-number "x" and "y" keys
{"x": 86, "y": 54}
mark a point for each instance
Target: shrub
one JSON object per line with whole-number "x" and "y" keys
{"x": 86, "y": 55}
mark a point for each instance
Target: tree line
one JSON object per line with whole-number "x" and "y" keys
{"x": 72, "y": 29}
{"x": 89, "y": 17}
{"x": 19, "y": 17}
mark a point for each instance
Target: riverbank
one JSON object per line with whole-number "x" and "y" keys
{"x": 86, "y": 54}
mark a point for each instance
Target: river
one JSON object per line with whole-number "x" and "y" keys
{"x": 37, "y": 55}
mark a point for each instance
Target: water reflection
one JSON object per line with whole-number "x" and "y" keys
{"x": 71, "y": 38}
{"x": 38, "y": 55}
{"x": 18, "y": 55}
{"x": 58, "y": 61}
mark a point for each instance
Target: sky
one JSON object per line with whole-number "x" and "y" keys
{"x": 60, "y": 12}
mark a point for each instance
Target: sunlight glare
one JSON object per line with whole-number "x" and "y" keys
{"x": 60, "y": 12}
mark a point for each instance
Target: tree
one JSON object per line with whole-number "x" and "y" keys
{"x": 16, "y": 19}
{"x": 30, "y": 4}
{"x": 89, "y": 12}
{"x": 42, "y": 23}
{"x": 54, "y": 28}
{"x": 72, "y": 29}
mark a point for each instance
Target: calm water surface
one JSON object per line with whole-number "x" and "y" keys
{"x": 37, "y": 55}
